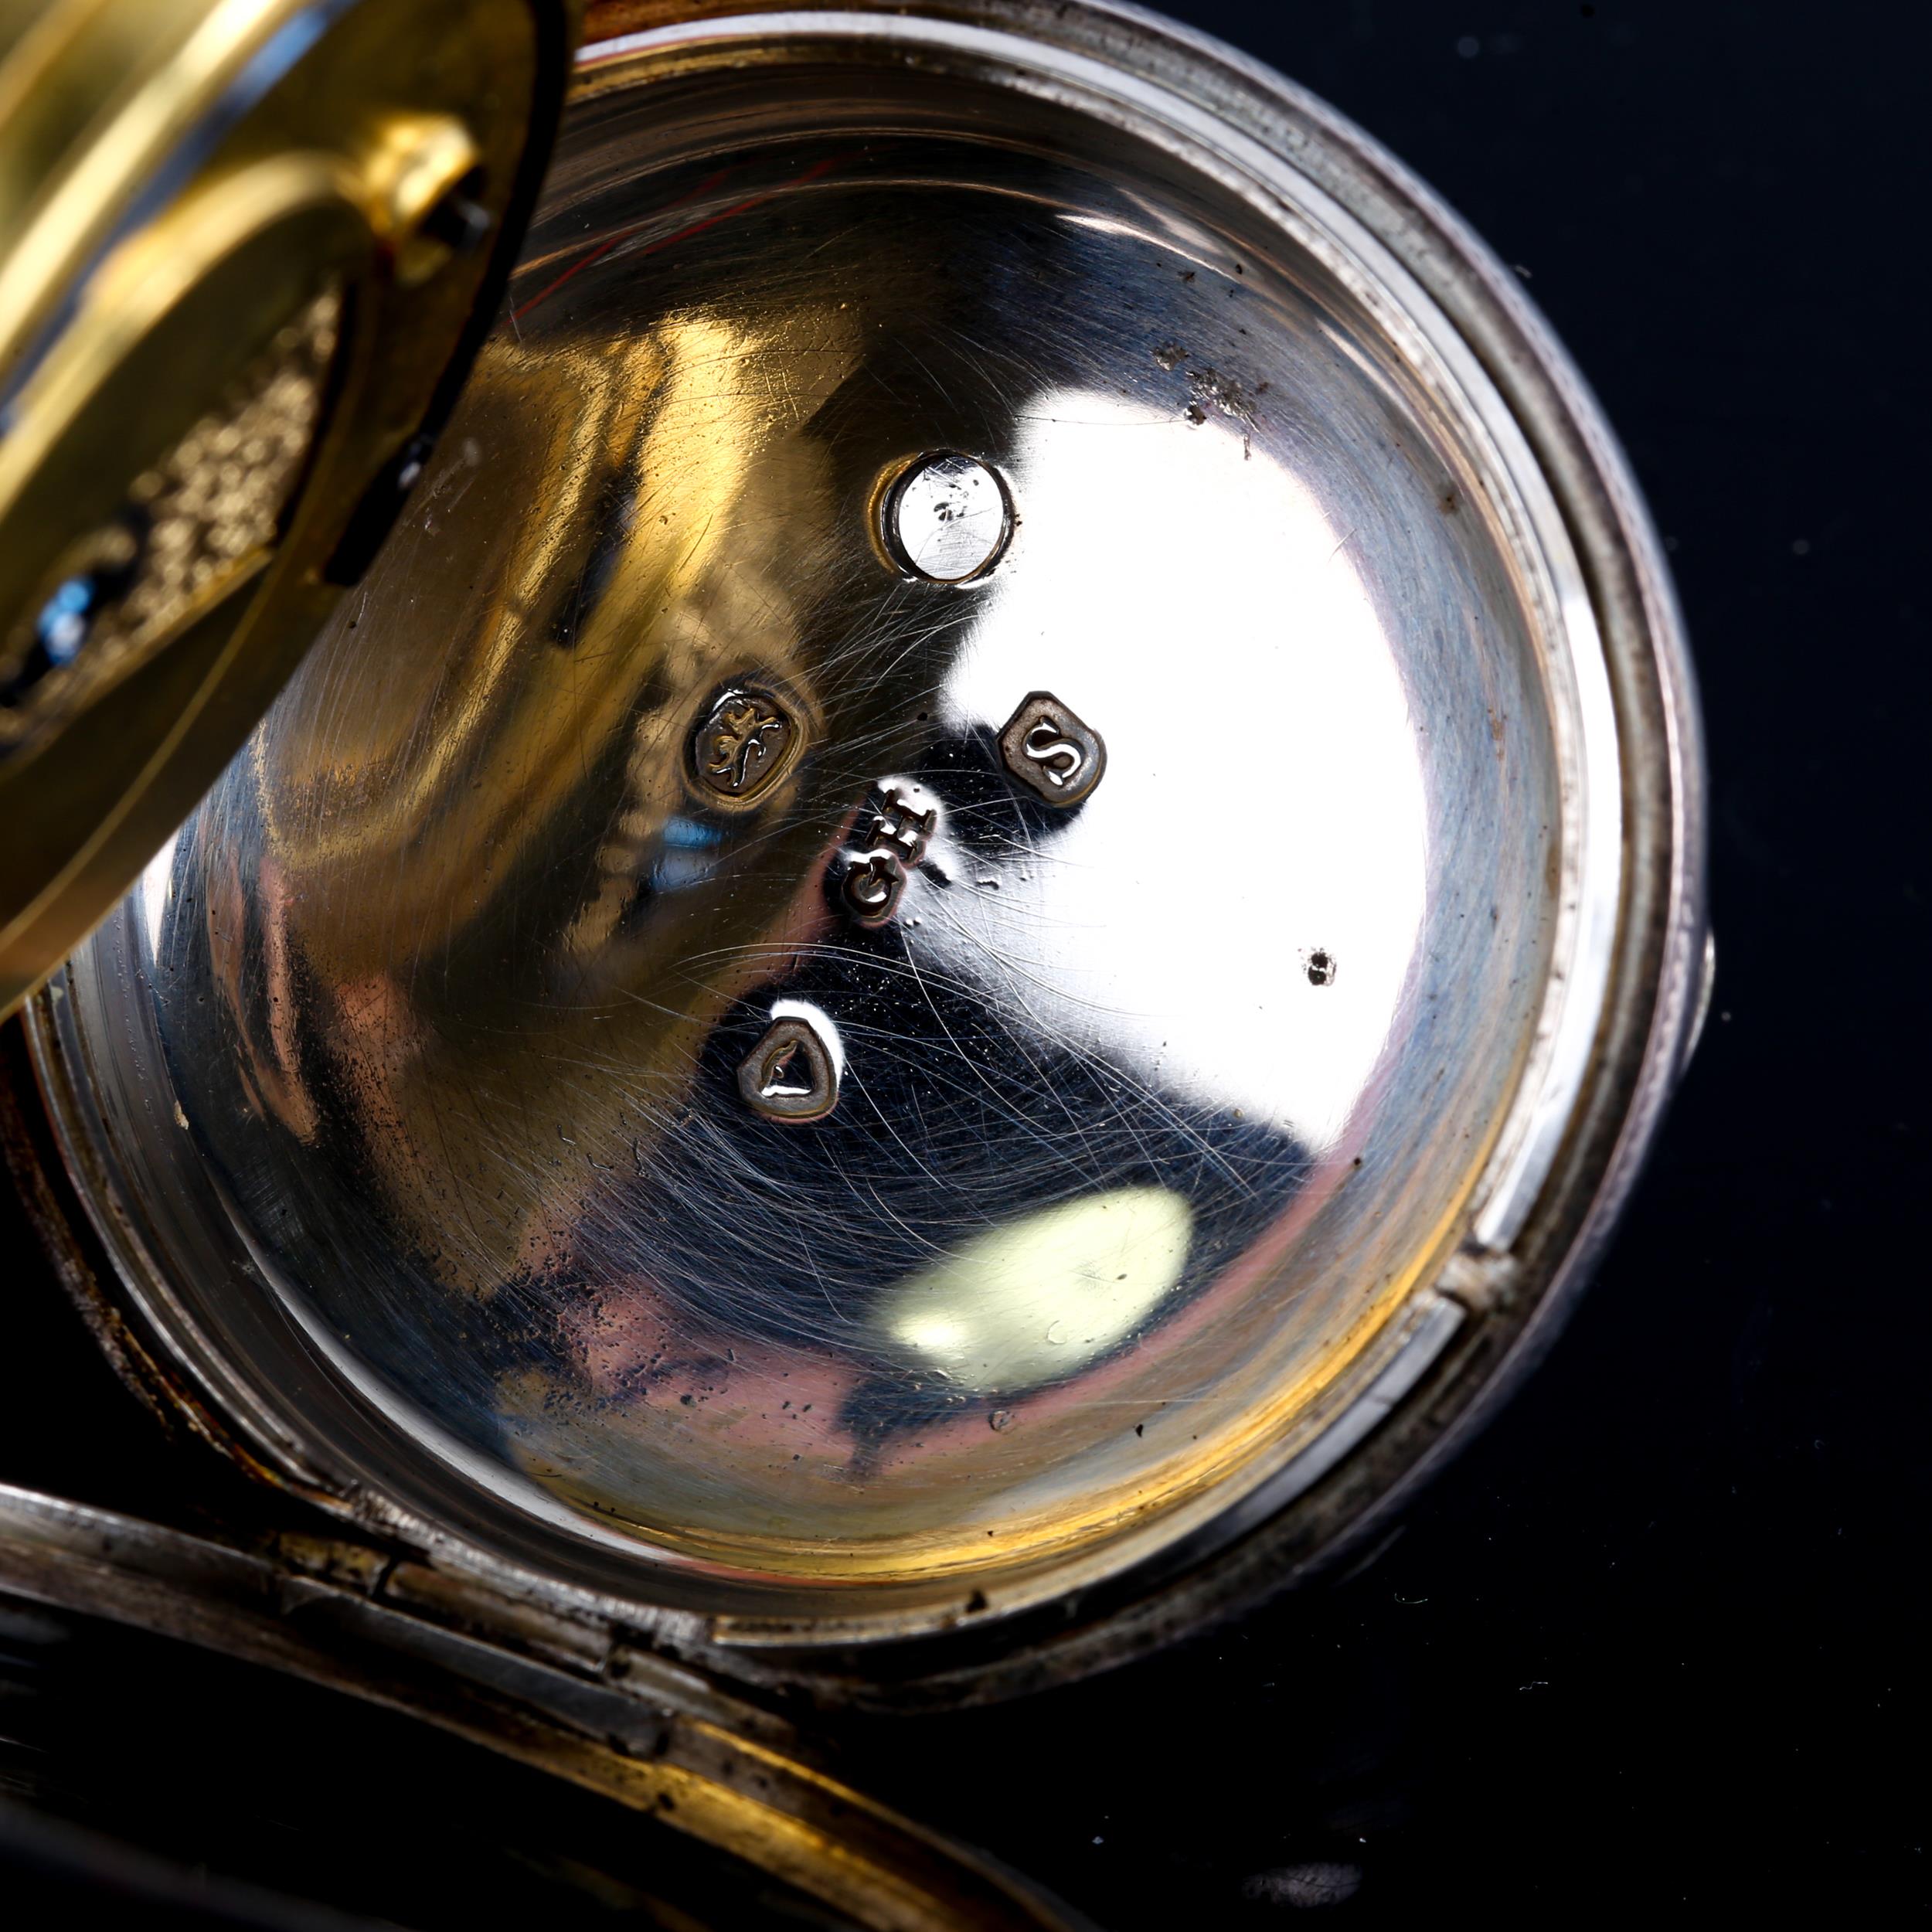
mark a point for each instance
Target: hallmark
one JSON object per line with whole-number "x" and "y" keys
{"x": 1052, "y": 751}
{"x": 791, "y": 1075}
{"x": 746, "y": 742}
{"x": 874, "y": 879}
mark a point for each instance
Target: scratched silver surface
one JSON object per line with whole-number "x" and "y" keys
{"x": 423, "y": 1038}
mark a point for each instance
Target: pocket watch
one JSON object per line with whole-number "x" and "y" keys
{"x": 851, "y": 851}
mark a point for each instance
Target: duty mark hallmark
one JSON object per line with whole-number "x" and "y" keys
{"x": 746, "y": 742}
{"x": 1052, "y": 750}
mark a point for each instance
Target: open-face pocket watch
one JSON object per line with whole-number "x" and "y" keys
{"x": 847, "y": 853}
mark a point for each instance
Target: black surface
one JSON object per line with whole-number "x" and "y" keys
{"x": 146, "y": 1783}
{"x": 1653, "y": 1645}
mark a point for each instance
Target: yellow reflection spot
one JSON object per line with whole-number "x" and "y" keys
{"x": 1040, "y": 1297}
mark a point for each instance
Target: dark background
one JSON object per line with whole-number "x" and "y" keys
{"x": 1654, "y": 1644}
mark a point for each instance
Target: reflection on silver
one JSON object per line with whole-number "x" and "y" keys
{"x": 791, "y": 1075}
{"x": 948, "y": 519}
{"x": 479, "y": 978}
{"x": 1035, "y": 1299}
{"x": 1048, "y": 747}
